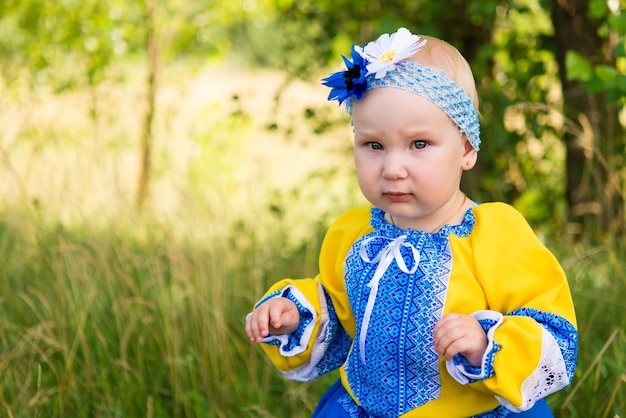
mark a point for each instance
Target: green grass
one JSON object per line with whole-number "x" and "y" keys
{"x": 139, "y": 321}
{"x": 107, "y": 313}
{"x": 133, "y": 323}
{"x": 598, "y": 280}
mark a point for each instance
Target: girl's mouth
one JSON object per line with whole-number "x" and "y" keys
{"x": 397, "y": 196}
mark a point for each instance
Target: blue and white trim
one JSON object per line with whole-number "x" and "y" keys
{"x": 461, "y": 369}
{"x": 330, "y": 345}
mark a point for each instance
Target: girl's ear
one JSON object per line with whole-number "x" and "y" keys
{"x": 470, "y": 156}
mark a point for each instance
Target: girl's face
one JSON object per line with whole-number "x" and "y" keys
{"x": 409, "y": 157}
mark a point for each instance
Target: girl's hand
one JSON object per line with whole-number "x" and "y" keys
{"x": 276, "y": 316}
{"x": 460, "y": 334}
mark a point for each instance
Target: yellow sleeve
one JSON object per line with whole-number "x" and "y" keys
{"x": 330, "y": 281}
{"x": 523, "y": 281}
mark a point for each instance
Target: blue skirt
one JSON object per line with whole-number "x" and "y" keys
{"x": 329, "y": 406}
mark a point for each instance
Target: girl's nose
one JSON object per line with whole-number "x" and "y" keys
{"x": 394, "y": 167}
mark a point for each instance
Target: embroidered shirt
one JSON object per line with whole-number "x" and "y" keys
{"x": 381, "y": 290}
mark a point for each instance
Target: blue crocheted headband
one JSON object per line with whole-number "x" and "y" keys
{"x": 383, "y": 64}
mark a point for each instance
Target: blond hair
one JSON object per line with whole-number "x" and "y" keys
{"x": 441, "y": 55}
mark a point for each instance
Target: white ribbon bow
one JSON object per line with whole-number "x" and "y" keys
{"x": 384, "y": 258}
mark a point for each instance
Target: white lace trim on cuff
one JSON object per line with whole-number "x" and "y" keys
{"x": 550, "y": 375}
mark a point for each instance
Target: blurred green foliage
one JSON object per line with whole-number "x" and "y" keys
{"x": 608, "y": 79}
{"x": 510, "y": 44}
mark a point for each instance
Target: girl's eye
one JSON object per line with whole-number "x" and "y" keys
{"x": 419, "y": 144}
{"x": 375, "y": 145}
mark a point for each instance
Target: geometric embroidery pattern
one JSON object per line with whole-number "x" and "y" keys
{"x": 402, "y": 369}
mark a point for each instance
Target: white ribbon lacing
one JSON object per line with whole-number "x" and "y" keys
{"x": 384, "y": 258}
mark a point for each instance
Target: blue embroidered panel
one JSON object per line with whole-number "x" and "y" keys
{"x": 401, "y": 370}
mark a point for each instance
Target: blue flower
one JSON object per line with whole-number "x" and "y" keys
{"x": 350, "y": 82}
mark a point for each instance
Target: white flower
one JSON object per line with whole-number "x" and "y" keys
{"x": 388, "y": 50}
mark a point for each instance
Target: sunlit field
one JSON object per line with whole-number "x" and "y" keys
{"x": 108, "y": 312}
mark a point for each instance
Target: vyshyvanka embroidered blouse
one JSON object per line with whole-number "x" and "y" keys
{"x": 381, "y": 290}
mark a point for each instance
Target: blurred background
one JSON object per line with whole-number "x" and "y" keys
{"x": 163, "y": 161}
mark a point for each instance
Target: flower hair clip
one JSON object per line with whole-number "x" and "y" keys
{"x": 377, "y": 57}
{"x": 384, "y": 63}
{"x": 388, "y": 50}
{"x": 351, "y": 82}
